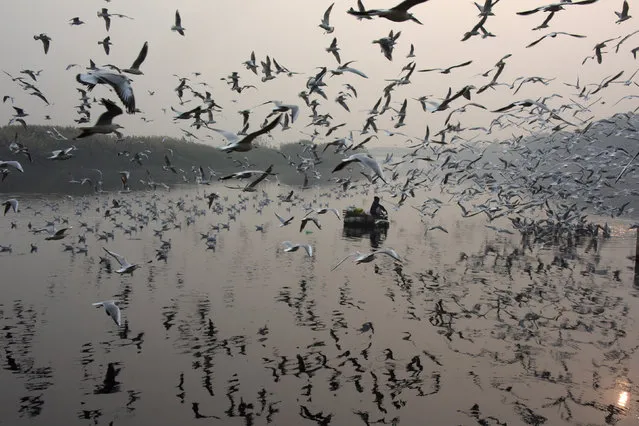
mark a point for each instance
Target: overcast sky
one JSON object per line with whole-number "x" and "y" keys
{"x": 221, "y": 34}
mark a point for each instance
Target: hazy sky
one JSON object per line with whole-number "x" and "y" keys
{"x": 221, "y": 34}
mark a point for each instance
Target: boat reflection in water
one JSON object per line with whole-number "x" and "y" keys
{"x": 377, "y": 234}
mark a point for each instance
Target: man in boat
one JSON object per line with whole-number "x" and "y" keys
{"x": 377, "y": 210}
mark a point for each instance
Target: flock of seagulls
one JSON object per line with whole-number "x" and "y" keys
{"x": 508, "y": 186}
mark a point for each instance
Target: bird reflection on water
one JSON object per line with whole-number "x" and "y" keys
{"x": 492, "y": 328}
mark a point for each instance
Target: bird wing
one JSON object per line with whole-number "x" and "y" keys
{"x": 389, "y": 252}
{"x": 121, "y": 260}
{"x": 122, "y": 86}
{"x": 537, "y": 41}
{"x": 336, "y": 212}
{"x": 308, "y": 248}
{"x": 281, "y": 219}
{"x": 343, "y": 164}
{"x": 229, "y": 136}
{"x": 112, "y": 111}
{"x": 178, "y": 20}
{"x": 407, "y": 4}
{"x": 270, "y": 126}
{"x": 141, "y": 56}
{"x": 343, "y": 260}
{"x": 327, "y": 14}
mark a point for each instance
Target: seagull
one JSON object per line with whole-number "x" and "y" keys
{"x": 15, "y": 164}
{"x": 311, "y": 219}
{"x": 554, "y": 7}
{"x": 104, "y": 13}
{"x": 281, "y": 107}
{"x": 10, "y": 204}
{"x": 104, "y": 124}
{"x": 62, "y": 154}
{"x": 46, "y": 41}
{"x": 364, "y": 159}
{"x": 125, "y": 266}
{"x": 369, "y": 257}
{"x": 135, "y": 68}
{"x": 120, "y": 83}
{"x": 398, "y": 13}
{"x": 623, "y": 15}
{"x": 334, "y": 50}
{"x": 325, "y": 20}
{"x": 289, "y": 246}
{"x": 553, "y": 35}
{"x": 251, "y": 64}
{"x": 447, "y": 70}
{"x": 242, "y": 145}
{"x": 284, "y": 222}
{"x": 56, "y": 234}
{"x": 111, "y": 310}
{"x": 178, "y": 24}
{"x": 106, "y": 43}
{"x": 324, "y": 211}
{"x": 75, "y": 21}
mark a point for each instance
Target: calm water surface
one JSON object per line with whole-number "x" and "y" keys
{"x": 469, "y": 329}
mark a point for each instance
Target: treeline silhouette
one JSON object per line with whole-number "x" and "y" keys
{"x": 43, "y": 175}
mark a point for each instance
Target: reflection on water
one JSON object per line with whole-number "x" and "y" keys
{"x": 475, "y": 326}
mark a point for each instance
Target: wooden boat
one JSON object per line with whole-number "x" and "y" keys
{"x": 357, "y": 217}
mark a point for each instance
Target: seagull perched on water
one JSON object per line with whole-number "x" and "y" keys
{"x": 105, "y": 124}
{"x": 120, "y": 83}
{"x": 364, "y": 159}
{"x": 10, "y": 204}
{"x": 46, "y": 41}
{"x": 135, "y": 68}
{"x": 369, "y": 257}
{"x": 178, "y": 24}
{"x": 111, "y": 310}
{"x": 398, "y": 13}
{"x": 125, "y": 266}
{"x": 289, "y": 246}
{"x": 244, "y": 144}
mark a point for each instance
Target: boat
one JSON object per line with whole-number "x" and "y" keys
{"x": 356, "y": 217}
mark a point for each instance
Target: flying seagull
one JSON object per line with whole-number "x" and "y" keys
{"x": 111, "y": 310}
{"x": 325, "y": 20}
{"x": 46, "y": 41}
{"x": 10, "y": 204}
{"x": 125, "y": 266}
{"x": 135, "y": 68}
{"x": 284, "y": 222}
{"x": 623, "y": 15}
{"x": 553, "y": 35}
{"x": 363, "y": 159}
{"x": 369, "y": 257}
{"x": 104, "y": 125}
{"x": 106, "y": 43}
{"x": 398, "y": 13}
{"x": 120, "y": 83}
{"x": 245, "y": 144}
{"x": 289, "y": 246}
{"x": 178, "y": 24}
